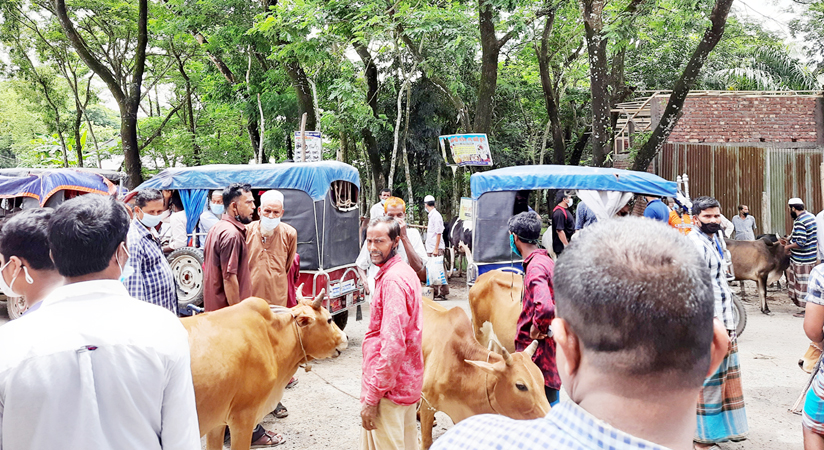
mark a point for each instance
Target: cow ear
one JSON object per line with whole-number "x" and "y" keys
{"x": 483, "y": 365}
{"x": 304, "y": 319}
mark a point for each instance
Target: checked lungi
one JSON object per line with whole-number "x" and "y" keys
{"x": 813, "y": 417}
{"x": 721, "y": 413}
{"x": 798, "y": 276}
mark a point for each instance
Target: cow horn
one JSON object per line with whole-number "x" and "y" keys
{"x": 530, "y": 351}
{"x": 299, "y": 291}
{"x": 507, "y": 357}
{"x": 318, "y": 302}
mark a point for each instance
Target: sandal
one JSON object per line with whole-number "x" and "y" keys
{"x": 269, "y": 439}
{"x": 800, "y": 315}
{"x": 291, "y": 383}
{"x": 280, "y": 411}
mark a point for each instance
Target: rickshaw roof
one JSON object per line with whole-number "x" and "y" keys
{"x": 45, "y": 183}
{"x": 550, "y": 176}
{"x": 314, "y": 178}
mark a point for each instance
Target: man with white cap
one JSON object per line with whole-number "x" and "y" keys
{"x": 803, "y": 250}
{"x": 434, "y": 240}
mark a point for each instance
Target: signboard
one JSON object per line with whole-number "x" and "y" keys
{"x": 465, "y": 213}
{"x": 467, "y": 149}
{"x": 314, "y": 146}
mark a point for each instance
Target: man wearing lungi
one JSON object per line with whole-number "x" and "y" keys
{"x": 803, "y": 250}
{"x": 721, "y": 413}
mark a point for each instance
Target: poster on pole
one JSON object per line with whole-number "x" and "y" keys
{"x": 314, "y": 147}
{"x": 467, "y": 149}
{"x": 465, "y": 213}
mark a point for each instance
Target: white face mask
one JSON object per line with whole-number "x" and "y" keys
{"x": 569, "y": 202}
{"x": 151, "y": 221}
{"x": 216, "y": 208}
{"x": 269, "y": 224}
{"x": 6, "y": 288}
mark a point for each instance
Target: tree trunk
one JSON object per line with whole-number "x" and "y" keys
{"x": 490, "y": 49}
{"x": 599, "y": 78}
{"x": 578, "y": 149}
{"x": 713, "y": 34}
{"x": 78, "y": 147}
{"x": 410, "y": 200}
{"x": 550, "y": 95}
{"x": 128, "y": 138}
{"x": 303, "y": 92}
{"x": 254, "y": 135}
{"x": 369, "y": 140}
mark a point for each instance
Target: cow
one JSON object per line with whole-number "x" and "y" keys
{"x": 810, "y": 358}
{"x": 761, "y": 261}
{"x": 244, "y": 355}
{"x": 458, "y": 232}
{"x": 496, "y": 298}
{"x": 462, "y": 378}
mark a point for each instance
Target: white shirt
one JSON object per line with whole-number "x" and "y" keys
{"x": 819, "y": 221}
{"x": 377, "y": 210}
{"x": 208, "y": 219}
{"x": 93, "y": 368}
{"x": 365, "y": 262}
{"x": 433, "y": 229}
{"x": 177, "y": 224}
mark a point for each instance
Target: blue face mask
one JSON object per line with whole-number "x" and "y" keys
{"x": 512, "y": 245}
{"x": 216, "y": 208}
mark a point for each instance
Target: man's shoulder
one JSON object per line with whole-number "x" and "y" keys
{"x": 289, "y": 230}
{"x": 496, "y": 431}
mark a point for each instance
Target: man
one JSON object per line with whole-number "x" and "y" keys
{"x": 272, "y": 245}
{"x": 392, "y": 354}
{"x": 411, "y": 250}
{"x": 721, "y": 413}
{"x": 226, "y": 275}
{"x": 434, "y": 240}
{"x": 538, "y": 300}
{"x": 584, "y": 216}
{"x": 178, "y": 238}
{"x": 813, "y": 417}
{"x": 632, "y": 382}
{"x": 211, "y": 216}
{"x": 656, "y": 209}
{"x": 378, "y": 208}
{"x": 150, "y": 278}
{"x": 803, "y": 251}
{"x": 744, "y": 224}
{"x": 93, "y": 365}
{"x": 680, "y": 220}
{"x": 24, "y": 255}
{"x": 563, "y": 222}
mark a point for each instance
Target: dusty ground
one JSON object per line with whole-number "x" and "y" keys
{"x": 324, "y": 409}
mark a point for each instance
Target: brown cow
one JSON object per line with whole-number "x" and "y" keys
{"x": 462, "y": 378}
{"x": 496, "y": 298}
{"x": 761, "y": 261}
{"x": 244, "y": 355}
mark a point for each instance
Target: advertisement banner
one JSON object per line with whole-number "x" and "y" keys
{"x": 314, "y": 146}
{"x": 466, "y": 209}
{"x": 467, "y": 149}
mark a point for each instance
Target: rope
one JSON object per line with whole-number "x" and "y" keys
{"x": 337, "y": 388}
{"x": 306, "y": 366}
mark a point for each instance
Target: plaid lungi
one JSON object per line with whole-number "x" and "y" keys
{"x": 798, "y": 276}
{"x": 721, "y": 414}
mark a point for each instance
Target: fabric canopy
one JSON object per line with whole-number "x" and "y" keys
{"x": 194, "y": 203}
{"x": 569, "y": 177}
{"x": 46, "y": 183}
{"x": 314, "y": 178}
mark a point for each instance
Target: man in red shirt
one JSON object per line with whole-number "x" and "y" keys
{"x": 392, "y": 354}
{"x": 539, "y": 298}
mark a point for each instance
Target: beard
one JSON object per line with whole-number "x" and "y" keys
{"x": 794, "y": 215}
{"x": 244, "y": 220}
{"x": 380, "y": 259}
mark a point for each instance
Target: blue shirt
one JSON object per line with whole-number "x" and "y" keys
{"x": 805, "y": 234}
{"x": 151, "y": 279}
{"x": 566, "y": 427}
{"x": 584, "y": 216}
{"x": 657, "y": 210}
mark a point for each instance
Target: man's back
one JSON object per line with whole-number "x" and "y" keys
{"x": 656, "y": 209}
{"x": 96, "y": 369}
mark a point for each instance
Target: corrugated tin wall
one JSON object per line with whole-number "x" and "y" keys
{"x": 763, "y": 178}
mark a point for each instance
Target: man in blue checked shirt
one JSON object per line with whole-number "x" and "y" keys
{"x": 633, "y": 382}
{"x": 147, "y": 275}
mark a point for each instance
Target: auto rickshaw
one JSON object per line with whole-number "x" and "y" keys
{"x": 321, "y": 203}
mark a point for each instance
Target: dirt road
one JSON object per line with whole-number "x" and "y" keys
{"x": 324, "y": 407}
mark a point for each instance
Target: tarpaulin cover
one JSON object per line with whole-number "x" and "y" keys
{"x": 194, "y": 203}
{"x": 313, "y": 178}
{"x": 571, "y": 178}
{"x": 46, "y": 183}
{"x": 11, "y": 187}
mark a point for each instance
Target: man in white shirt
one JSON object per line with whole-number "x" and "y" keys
{"x": 378, "y": 209}
{"x": 412, "y": 250}
{"x": 94, "y": 368}
{"x": 211, "y": 215}
{"x": 178, "y": 238}
{"x": 434, "y": 240}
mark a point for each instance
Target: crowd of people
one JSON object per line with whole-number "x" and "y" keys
{"x": 640, "y": 370}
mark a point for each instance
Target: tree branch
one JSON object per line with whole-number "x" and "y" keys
{"x": 160, "y": 128}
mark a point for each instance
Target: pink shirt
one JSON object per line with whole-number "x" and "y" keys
{"x": 392, "y": 355}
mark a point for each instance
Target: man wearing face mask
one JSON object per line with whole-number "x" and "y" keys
{"x": 272, "y": 245}
{"x": 24, "y": 254}
{"x": 211, "y": 216}
{"x": 803, "y": 250}
{"x": 563, "y": 222}
{"x": 378, "y": 209}
{"x": 392, "y": 347}
{"x": 721, "y": 413}
{"x": 538, "y": 304}
{"x": 93, "y": 367}
{"x": 150, "y": 277}
{"x": 744, "y": 224}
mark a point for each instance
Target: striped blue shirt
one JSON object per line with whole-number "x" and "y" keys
{"x": 708, "y": 248}
{"x": 151, "y": 280}
{"x": 566, "y": 427}
{"x": 805, "y": 234}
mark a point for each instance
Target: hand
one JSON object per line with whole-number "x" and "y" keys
{"x": 366, "y": 288}
{"x": 402, "y": 223}
{"x": 368, "y": 415}
{"x": 440, "y": 252}
{"x": 535, "y": 334}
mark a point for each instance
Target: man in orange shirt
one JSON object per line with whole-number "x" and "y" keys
{"x": 680, "y": 220}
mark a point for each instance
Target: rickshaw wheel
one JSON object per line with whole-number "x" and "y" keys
{"x": 739, "y": 315}
{"x": 15, "y": 306}
{"x": 341, "y": 319}
{"x": 187, "y": 268}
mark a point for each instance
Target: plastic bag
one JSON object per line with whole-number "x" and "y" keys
{"x": 435, "y": 273}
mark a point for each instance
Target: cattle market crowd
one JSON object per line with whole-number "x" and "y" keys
{"x": 632, "y": 317}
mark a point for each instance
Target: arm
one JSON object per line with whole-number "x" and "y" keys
{"x": 543, "y": 298}
{"x": 437, "y": 250}
{"x": 230, "y": 251}
{"x": 179, "y": 426}
{"x": 293, "y": 248}
{"x": 232, "y": 289}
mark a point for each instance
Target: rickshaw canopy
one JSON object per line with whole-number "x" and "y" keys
{"x": 569, "y": 178}
{"x": 42, "y": 184}
{"x": 314, "y": 178}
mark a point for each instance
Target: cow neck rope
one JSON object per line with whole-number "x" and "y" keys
{"x": 489, "y": 397}
{"x": 306, "y": 366}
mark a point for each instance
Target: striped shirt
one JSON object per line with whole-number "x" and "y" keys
{"x": 151, "y": 279}
{"x": 566, "y": 427}
{"x": 815, "y": 295}
{"x": 711, "y": 249}
{"x": 805, "y": 234}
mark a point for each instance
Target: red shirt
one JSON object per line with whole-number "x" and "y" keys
{"x": 539, "y": 309}
{"x": 392, "y": 353}
{"x": 225, "y": 254}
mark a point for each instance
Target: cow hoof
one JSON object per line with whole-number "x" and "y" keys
{"x": 767, "y": 311}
